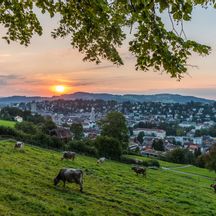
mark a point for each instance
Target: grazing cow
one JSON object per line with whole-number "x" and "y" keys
{"x": 19, "y": 145}
{"x": 139, "y": 170}
{"x": 213, "y": 186}
{"x": 68, "y": 155}
{"x": 101, "y": 160}
{"x": 70, "y": 175}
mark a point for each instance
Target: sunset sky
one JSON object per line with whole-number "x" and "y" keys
{"x": 48, "y": 62}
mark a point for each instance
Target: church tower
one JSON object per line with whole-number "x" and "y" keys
{"x": 92, "y": 115}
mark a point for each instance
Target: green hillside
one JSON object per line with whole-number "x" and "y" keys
{"x": 112, "y": 189}
{"x": 7, "y": 123}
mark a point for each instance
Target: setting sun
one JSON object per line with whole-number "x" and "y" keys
{"x": 59, "y": 89}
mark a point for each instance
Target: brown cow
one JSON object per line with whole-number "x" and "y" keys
{"x": 68, "y": 155}
{"x": 139, "y": 170}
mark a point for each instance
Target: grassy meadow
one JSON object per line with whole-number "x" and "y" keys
{"x": 7, "y": 123}
{"x": 112, "y": 189}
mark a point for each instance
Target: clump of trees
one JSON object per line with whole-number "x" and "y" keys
{"x": 181, "y": 156}
{"x": 184, "y": 156}
{"x": 27, "y": 127}
{"x": 35, "y": 129}
{"x": 77, "y": 130}
{"x": 86, "y": 147}
{"x": 210, "y": 158}
{"x": 8, "y": 113}
{"x": 207, "y": 131}
{"x": 114, "y": 134}
{"x": 114, "y": 125}
{"x": 146, "y": 163}
{"x": 38, "y": 138}
{"x": 112, "y": 142}
{"x": 108, "y": 147}
{"x": 158, "y": 145}
{"x": 140, "y": 137}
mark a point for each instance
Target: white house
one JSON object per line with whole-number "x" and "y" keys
{"x": 197, "y": 140}
{"x": 149, "y": 132}
{"x": 186, "y": 124}
{"x": 184, "y": 139}
{"x": 18, "y": 119}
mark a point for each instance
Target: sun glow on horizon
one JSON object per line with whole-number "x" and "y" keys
{"x": 59, "y": 89}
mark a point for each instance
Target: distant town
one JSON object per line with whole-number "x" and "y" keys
{"x": 191, "y": 125}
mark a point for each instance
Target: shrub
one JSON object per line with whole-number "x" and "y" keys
{"x": 210, "y": 158}
{"x": 56, "y": 143}
{"x": 158, "y": 145}
{"x": 154, "y": 163}
{"x": 183, "y": 156}
{"x": 86, "y": 147}
{"x": 127, "y": 160}
{"x": 201, "y": 161}
{"x": 26, "y": 127}
{"x": 7, "y": 131}
{"x": 38, "y": 139}
{"x": 108, "y": 147}
{"x": 145, "y": 163}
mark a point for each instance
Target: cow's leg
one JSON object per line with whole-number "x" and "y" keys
{"x": 64, "y": 183}
{"x": 81, "y": 187}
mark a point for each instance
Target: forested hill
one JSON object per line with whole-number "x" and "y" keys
{"x": 165, "y": 98}
{"x": 19, "y": 99}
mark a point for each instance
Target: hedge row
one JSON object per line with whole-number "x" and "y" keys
{"x": 149, "y": 163}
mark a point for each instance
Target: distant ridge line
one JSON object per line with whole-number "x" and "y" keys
{"x": 162, "y": 97}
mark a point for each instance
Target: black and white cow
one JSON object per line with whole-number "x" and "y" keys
{"x": 19, "y": 145}
{"x": 101, "y": 160}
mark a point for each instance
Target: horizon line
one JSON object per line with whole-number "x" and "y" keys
{"x": 118, "y": 94}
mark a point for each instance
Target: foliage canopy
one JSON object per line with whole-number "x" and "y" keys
{"x": 108, "y": 147}
{"x": 210, "y": 158}
{"x": 140, "y": 137}
{"x": 158, "y": 145}
{"x": 77, "y": 130}
{"x": 98, "y": 29}
{"x": 182, "y": 156}
{"x": 114, "y": 125}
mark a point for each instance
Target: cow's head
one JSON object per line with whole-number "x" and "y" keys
{"x": 56, "y": 181}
